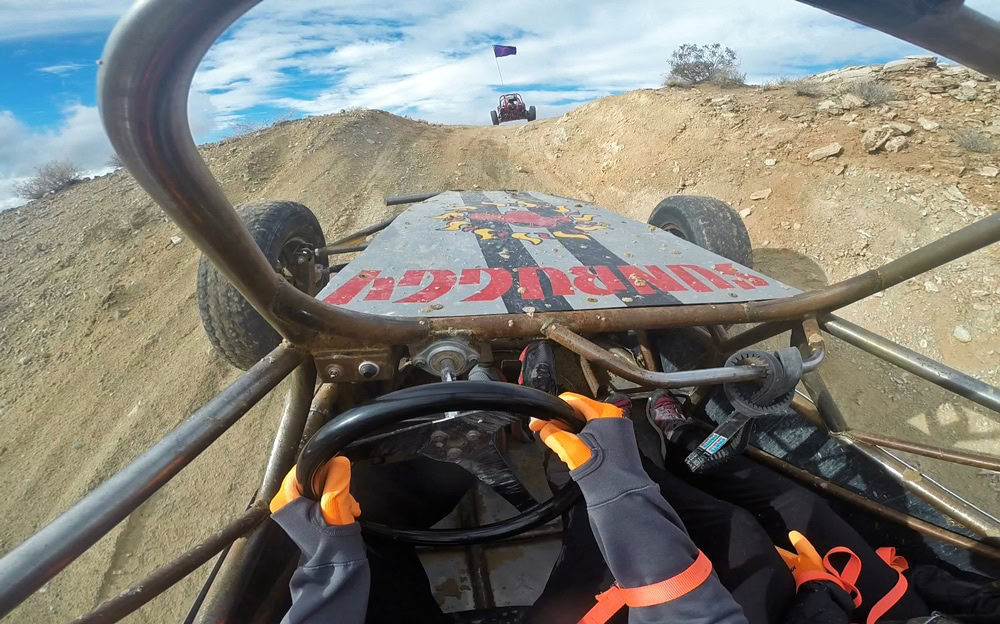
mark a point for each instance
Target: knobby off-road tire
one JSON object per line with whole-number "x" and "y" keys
{"x": 235, "y": 329}
{"x": 531, "y": 113}
{"x": 494, "y": 118}
{"x": 707, "y": 222}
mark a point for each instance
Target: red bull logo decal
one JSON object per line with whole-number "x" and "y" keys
{"x": 488, "y": 223}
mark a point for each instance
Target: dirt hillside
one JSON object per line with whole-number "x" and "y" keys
{"x": 102, "y": 351}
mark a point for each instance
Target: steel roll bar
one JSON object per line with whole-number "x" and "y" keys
{"x": 47, "y": 552}
{"x": 143, "y": 83}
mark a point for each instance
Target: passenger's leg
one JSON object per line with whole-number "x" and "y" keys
{"x": 740, "y": 550}
{"x": 417, "y": 494}
{"x": 781, "y": 505}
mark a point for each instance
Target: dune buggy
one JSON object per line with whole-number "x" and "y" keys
{"x": 511, "y": 108}
{"x": 411, "y": 341}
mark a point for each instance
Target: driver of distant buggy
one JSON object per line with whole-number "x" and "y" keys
{"x": 739, "y": 544}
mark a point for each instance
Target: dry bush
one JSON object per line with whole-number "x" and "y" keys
{"x": 801, "y": 86}
{"x": 975, "y": 142}
{"x": 115, "y": 161}
{"x": 695, "y": 64}
{"x": 871, "y": 91}
{"x": 727, "y": 78}
{"x": 49, "y": 177}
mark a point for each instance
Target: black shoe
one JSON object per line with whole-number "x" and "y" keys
{"x": 664, "y": 414}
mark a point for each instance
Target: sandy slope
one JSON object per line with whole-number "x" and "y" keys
{"x": 102, "y": 349}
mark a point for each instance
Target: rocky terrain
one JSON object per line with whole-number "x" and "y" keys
{"x": 102, "y": 352}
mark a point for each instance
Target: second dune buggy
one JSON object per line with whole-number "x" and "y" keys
{"x": 511, "y": 108}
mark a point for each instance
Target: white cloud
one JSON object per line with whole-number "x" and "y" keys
{"x": 62, "y": 70}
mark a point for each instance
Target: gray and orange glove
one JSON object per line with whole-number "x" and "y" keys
{"x": 568, "y": 446}
{"x": 336, "y": 504}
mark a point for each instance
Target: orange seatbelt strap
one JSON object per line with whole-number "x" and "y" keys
{"x": 900, "y": 565}
{"x": 610, "y": 601}
{"x": 848, "y": 576}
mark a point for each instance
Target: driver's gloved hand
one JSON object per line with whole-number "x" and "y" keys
{"x": 568, "y": 446}
{"x": 337, "y": 505}
{"x": 332, "y": 581}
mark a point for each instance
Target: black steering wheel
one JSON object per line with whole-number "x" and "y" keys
{"x": 493, "y": 405}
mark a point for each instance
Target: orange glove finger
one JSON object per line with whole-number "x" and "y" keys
{"x": 288, "y": 492}
{"x": 537, "y": 424}
{"x": 590, "y": 409}
{"x": 336, "y": 503}
{"x": 808, "y": 556}
{"x": 567, "y": 446}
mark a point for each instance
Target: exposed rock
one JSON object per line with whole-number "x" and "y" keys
{"x": 746, "y": 212}
{"x": 829, "y": 106}
{"x": 964, "y": 94}
{"x": 927, "y": 124}
{"x": 895, "y": 144}
{"x": 848, "y": 74}
{"x": 874, "y": 139}
{"x": 833, "y": 149}
{"x": 849, "y": 117}
{"x": 851, "y": 101}
{"x": 904, "y": 64}
{"x": 898, "y": 128}
{"x": 839, "y": 169}
{"x": 176, "y": 240}
{"x": 955, "y": 70}
{"x": 962, "y": 334}
{"x": 993, "y": 129}
{"x": 758, "y": 195}
{"x": 770, "y": 162}
{"x": 930, "y": 286}
{"x": 972, "y": 84}
{"x": 988, "y": 172}
{"x": 978, "y": 76}
{"x": 722, "y": 101}
{"x": 926, "y": 59}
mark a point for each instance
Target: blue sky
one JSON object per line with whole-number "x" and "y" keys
{"x": 428, "y": 60}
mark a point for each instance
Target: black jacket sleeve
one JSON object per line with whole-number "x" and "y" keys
{"x": 332, "y": 581}
{"x": 639, "y": 534}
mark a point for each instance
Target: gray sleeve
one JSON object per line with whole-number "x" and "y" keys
{"x": 639, "y": 534}
{"x": 332, "y": 581}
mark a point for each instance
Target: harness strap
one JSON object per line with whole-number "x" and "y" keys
{"x": 847, "y": 577}
{"x": 900, "y": 565}
{"x": 616, "y": 597}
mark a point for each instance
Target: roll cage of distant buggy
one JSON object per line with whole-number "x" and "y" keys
{"x": 146, "y": 72}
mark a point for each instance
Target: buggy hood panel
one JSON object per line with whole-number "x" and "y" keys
{"x": 465, "y": 253}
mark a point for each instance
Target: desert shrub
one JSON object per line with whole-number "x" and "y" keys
{"x": 694, "y": 64}
{"x": 115, "y": 161}
{"x": 800, "y": 86}
{"x": 49, "y": 177}
{"x": 871, "y": 91}
{"x": 728, "y": 78}
{"x": 975, "y": 142}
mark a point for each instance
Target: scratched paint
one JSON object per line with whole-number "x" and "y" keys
{"x": 480, "y": 253}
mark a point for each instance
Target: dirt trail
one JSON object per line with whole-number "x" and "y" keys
{"x": 103, "y": 352}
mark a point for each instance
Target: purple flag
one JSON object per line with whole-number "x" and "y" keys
{"x": 500, "y": 50}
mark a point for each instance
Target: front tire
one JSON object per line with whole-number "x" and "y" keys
{"x": 707, "y": 222}
{"x": 493, "y": 116}
{"x": 281, "y": 230}
{"x": 531, "y": 113}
